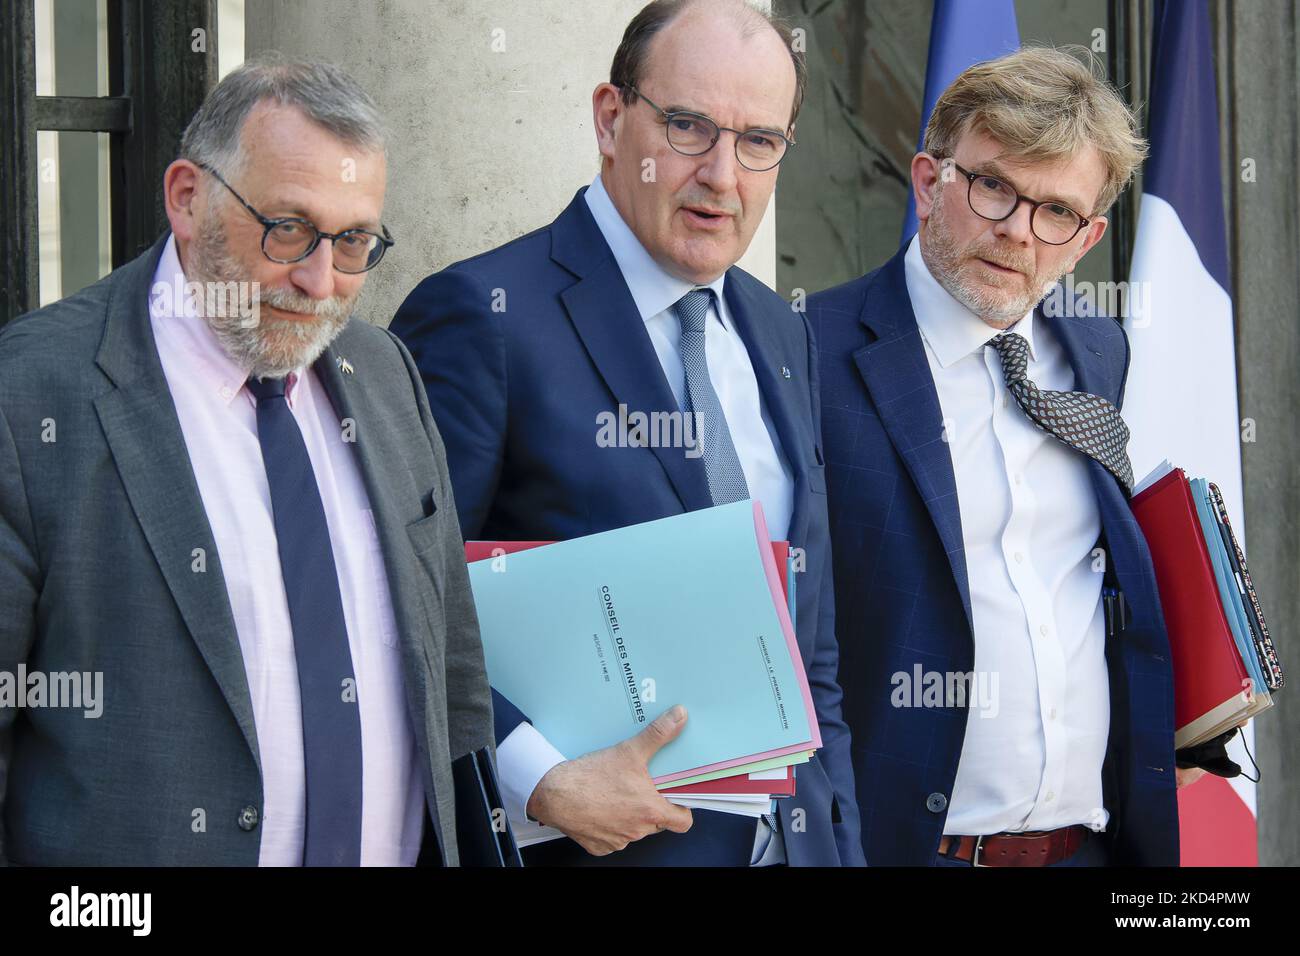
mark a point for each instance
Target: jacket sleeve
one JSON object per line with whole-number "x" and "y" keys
{"x": 835, "y": 755}
{"x": 469, "y": 700}
{"x": 457, "y": 345}
{"x": 456, "y": 340}
{"x": 19, "y": 590}
{"x": 823, "y": 673}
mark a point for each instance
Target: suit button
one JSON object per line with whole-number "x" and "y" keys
{"x": 248, "y": 818}
{"x": 936, "y": 803}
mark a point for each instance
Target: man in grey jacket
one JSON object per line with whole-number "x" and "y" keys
{"x": 235, "y": 621}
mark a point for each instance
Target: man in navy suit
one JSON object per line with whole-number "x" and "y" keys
{"x": 1004, "y": 659}
{"x": 629, "y": 304}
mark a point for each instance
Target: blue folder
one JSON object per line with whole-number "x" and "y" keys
{"x": 595, "y": 637}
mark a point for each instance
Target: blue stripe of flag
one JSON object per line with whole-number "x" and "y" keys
{"x": 962, "y": 33}
{"x": 1183, "y": 168}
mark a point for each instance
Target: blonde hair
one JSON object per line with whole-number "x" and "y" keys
{"x": 1042, "y": 103}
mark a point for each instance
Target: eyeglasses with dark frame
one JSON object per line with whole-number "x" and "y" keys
{"x": 994, "y": 199}
{"x": 291, "y": 239}
{"x": 694, "y": 134}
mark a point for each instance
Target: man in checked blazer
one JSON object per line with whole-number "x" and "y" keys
{"x": 240, "y": 525}
{"x": 969, "y": 542}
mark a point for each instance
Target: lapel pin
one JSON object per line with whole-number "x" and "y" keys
{"x": 344, "y": 365}
{"x": 785, "y": 371}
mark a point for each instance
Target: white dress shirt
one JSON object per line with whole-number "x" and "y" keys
{"x": 1032, "y": 756}
{"x": 525, "y": 756}
{"x": 218, "y": 418}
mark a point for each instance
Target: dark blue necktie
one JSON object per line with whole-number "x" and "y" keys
{"x": 331, "y": 719}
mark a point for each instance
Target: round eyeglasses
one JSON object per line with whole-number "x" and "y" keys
{"x": 991, "y": 198}
{"x": 290, "y": 239}
{"x": 693, "y": 134}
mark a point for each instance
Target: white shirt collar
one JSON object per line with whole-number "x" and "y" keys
{"x": 951, "y": 330}
{"x": 653, "y": 289}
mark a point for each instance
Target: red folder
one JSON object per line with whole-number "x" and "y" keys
{"x": 740, "y": 784}
{"x": 1209, "y": 677}
{"x": 484, "y": 550}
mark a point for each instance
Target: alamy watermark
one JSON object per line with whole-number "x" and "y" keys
{"x": 653, "y": 429}
{"x": 76, "y": 690}
{"x": 130, "y": 910}
{"x": 977, "y": 690}
{"x": 1118, "y": 300}
{"x": 232, "y": 299}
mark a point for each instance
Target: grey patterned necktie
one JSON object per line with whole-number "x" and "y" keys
{"x": 1085, "y": 422}
{"x": 721, "y": 463}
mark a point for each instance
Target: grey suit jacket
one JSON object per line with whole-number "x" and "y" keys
{"x": 100, "y": 516}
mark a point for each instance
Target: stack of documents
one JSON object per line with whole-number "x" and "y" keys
{"x": 594, "y": 637}
{"x": 1225, "y": 664}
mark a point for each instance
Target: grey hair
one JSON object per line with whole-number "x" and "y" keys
{"x": 323, "y": 92}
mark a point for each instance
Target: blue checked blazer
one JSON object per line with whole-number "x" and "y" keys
{"x": 901, "y": 589}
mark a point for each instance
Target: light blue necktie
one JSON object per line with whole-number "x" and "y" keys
{"x": 721, "y": 463}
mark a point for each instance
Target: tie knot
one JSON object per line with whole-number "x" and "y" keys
{"x": 693, "y": 310}
{"x": 1014, "y": 349}
{"x": 264, "y": 388}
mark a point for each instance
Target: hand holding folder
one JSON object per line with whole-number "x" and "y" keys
{"x": 1209, "y": 757}
{"x": 587, "y": 636}
{"x": 606, "y": 799}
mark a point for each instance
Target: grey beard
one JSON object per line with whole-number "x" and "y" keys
{"x": 942, "y": 256}
{"x": 268, "y": 347}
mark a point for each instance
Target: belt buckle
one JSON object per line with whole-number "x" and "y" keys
{"x": 975, "y": 857}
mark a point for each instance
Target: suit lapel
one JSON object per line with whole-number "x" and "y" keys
{"x": 349, "y": 396}
{"x": 144, "y": 435}
{"x": 385, "y": 486}
{"x": 602, "y": 310}
{"x": 766, "y": 354}
{"x": 897, "y": 375}
{"x": 1083, "y": 350}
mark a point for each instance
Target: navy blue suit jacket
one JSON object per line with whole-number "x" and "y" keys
{"x": 902, "y": 592}
{"x": 521, "y": 349}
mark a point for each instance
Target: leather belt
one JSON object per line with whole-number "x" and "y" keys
{"x": 1031, "y": 848}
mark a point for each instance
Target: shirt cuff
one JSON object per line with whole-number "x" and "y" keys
{"x": 523, "y": 759}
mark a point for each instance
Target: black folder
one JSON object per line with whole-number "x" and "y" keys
{"x": 483, "y": 833}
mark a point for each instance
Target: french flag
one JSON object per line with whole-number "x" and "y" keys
{"x": 962, "y": 33}
{"x": 1181, "y": 398}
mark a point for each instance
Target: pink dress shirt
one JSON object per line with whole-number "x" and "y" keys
{"x": 219, "y": 420}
